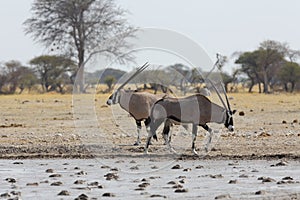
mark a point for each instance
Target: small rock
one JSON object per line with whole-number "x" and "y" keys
{"x": 144, "y": 180}
{"x": 295, "y": 121}
{"x": 243, "y": 176}
{"x": 176, "y": 166}
{"x": 114, "y": 169}
{"x": 181, "y": 190}
{"x": 266, "y": 179}
{"x": 232, "y": 181}
{"x": 76, "y": 168}
{"x": 15, "y": 193}
{"x": 223, "y": 196}
{"x": 264, "y": 134}
{"x": 11, "y": 180}
{"x": 79, "y": 182}
{"x": 199, "y": 167}
{"x": 284, "y": 122}
{"x": 133, "y": 161}
{"x": 108, "y": 194}
{"x": 287, "y": 178}
{"x": 158, "y": 195}
{"x": 58, "y": 183}
{"x": 260, "y": 192}
{"x": 143, "y": 185}
{"x": 105, "y": 167}
{"x": 5, "y": 195}
{"x": 241, "y": 113}
{"x": 172, "y": 183}
{"x": 64, "y": 193}
{"x": 216, "y": 176}
{"x": 182, "y": 181}
{"x": 49, "y": 171}
{"x": 134, "y": 168}
{"x": 187, "y": 170}
{"x": 111, "y": 176}
{"x": 82, "y": 197}
{"x": 18, "y": 163}
{"x": 32, "y": 184}
{"x": 81, "y": 173}
{"x": 95, "y": 183}
{"x": 55, "y": 175}
{"x": 177, "y": 186}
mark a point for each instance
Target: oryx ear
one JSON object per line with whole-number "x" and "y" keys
{"x": 234, "y": 111}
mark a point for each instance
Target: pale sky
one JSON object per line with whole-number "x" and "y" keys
{"x": 219, "y": 26}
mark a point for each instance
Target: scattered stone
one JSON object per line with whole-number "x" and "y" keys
{"x": 95, "y": 183}
{"x": 234, "y": 163}
{"x": 187, "y": 170}
{"x": 254, "y": 170}
{"x": 172, "y": 183}
{"x": 55, "y": 175}
{"x": 5, "y": 195}
{"x": 182, "y": 181}
{"x": 241, "y": 113}
{"x": 57, "y": 183}
{"x": 78, "y": 182}
{"x": 105, "y": 167}
{"x": 260, "y": 192}
{"x": 284, "y": 122}
{"x": 287, "y": 178}
{"x": 181, "y": 190}
{"x": 199, "y": 167}
{"x": 111, "y": 176}
{"x": 133, "y": 161}
{"x": 285, "y": 182}
{"x": 32, "y": 184}
{"x": 216, "y": 176}
{"x": 139, "y": 189}
{"x": 154, "y": 177}
{"x": 11, "y": 180}
{"x": 100, "y": 187}
{"x": 144, "y": 180}
{"x": 243, "y": 176}
{"x": 76, "y": 168}
{"x": 266, "y": 179}
{"x": 158, "y": 195}
{"x": 64, "y": 193}
{"x": 49, "y": 171}
{"x": 81, "y": 173}
{"x": 114, "y": 169}
{"x": 134, "y": 168}
{"x": 18, "y": 163}
{"x": 15, "y": 193}
{"x": 223, "y": 196}
{"x": 233, "y": 181}
{"x": 82, "y": 197}
{"x": 45, "y": 181}
{"x": 177, "y": 186}
{"x": 154, "y": 167}
{"x": 281, "y": 163}
{"x": 295, "y": 121}
{"x": 143, "y": 185}
{"x": 176, "y": 166}
{"x": 108, "y": 194}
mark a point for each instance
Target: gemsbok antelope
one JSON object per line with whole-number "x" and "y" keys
{"x": 196, "y": 109}
{"x": 137, "y": 104}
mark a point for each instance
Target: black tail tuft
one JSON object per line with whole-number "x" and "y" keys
{"x": 155, "y": 137}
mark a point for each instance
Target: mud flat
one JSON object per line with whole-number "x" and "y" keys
{"x": 149, "y": 177}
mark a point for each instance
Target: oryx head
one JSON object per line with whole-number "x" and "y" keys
{"x": 115, "y": 97}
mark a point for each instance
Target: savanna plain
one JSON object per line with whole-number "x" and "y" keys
{"x": 76, "y": 147}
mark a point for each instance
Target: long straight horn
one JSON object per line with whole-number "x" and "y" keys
{"x": 228, "y": 105}
{"x": 219, "y": 94}
{"x": 139, "y": 70}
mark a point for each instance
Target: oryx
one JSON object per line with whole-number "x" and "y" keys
{"x": 137, "y": 104}
{"x": 196, "y": 109}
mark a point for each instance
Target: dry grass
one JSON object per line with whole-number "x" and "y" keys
{"x": 49, "y": 125}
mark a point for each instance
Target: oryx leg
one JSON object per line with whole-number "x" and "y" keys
{"x": 167, "y": 135}
{"x": 194, "y": 136}
{"x": 151, "y": 132}
{"x": 209, "y": 130}
{"x": 139, "y": 129}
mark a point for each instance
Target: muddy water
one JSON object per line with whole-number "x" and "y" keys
{"x": 149, "y": 178}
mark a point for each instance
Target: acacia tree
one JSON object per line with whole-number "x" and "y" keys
{"x": 290, "y": 74}
{"x": 81, "y": 28}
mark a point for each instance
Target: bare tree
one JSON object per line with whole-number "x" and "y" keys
{"x": 81, "y": 28}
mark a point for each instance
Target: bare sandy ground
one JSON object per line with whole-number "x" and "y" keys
{"x": 260, "y": 160}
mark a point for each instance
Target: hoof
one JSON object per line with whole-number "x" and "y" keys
{"x": 195, "y": 152}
